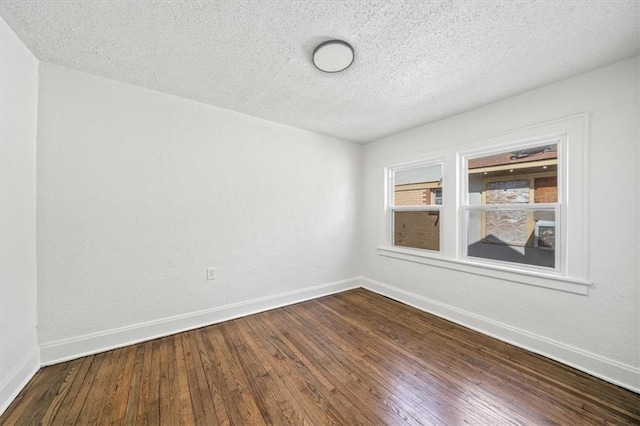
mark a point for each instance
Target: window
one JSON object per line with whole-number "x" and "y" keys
{"x": 415, "y": 203}
{"x": 513, "y": 207}
{"x": 511, "y": 204}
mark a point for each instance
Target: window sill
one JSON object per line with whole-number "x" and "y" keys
{"x": 571, "y": 285}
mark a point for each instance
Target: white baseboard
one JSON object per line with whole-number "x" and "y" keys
{"x": 18, "y": 377}
{"x": 612, "y": 371}
{"x": 54, "y": 352}
{"x": 68, "y": 349}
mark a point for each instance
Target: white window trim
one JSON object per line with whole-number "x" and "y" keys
{"x": 574, "y": 274}
{"x": 538, "y": 279}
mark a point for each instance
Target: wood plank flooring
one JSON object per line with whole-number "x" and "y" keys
{"x": 351, "y": 358}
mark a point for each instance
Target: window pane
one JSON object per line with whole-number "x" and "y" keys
{"x": 418, "y": 229}
{"x": 418, "y": 186}
{"x": 518, "y": 236}
{"x": 519, "y": 176}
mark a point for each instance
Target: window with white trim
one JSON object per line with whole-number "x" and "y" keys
{"x": 511, "y": 205}
{"x": 514, "y": 206}
{"x": 415, "y": 193}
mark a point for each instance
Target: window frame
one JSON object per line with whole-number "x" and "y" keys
{"x": 391, "y": 208}
{"x": 572, "y": 221}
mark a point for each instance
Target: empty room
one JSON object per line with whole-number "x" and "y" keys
{"x": 319, "y": 212}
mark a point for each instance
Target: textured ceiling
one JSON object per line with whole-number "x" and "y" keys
{"x": 416, "y": 61}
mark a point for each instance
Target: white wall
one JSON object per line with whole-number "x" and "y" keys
{"x": 139, "y": 192}
{"x": 19, "y": 353}
{"x": 599, "y": 332}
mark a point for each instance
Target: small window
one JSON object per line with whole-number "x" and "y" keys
{"x": 415, "y": 202}
{"x": 511, "y": 207}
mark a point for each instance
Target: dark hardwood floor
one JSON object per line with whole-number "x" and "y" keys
{"x": 351, "y": 358}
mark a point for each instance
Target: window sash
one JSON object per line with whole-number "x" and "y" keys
{"x": 391, "y": 180}
{"x": 432, "y": 207}
{"x": 498, "y": 207}
{"x": 429, "y": 208}
{"x": 550, "y": 207}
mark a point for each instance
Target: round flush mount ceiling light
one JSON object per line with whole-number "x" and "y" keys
{"x": 333, "y": 56}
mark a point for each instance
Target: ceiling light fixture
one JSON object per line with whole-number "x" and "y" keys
{"x": 333, "y": 56}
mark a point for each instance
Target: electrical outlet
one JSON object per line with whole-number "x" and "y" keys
{"x": 211, "y": 273}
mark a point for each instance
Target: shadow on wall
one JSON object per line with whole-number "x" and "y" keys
{"x": 493, "y": 248}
